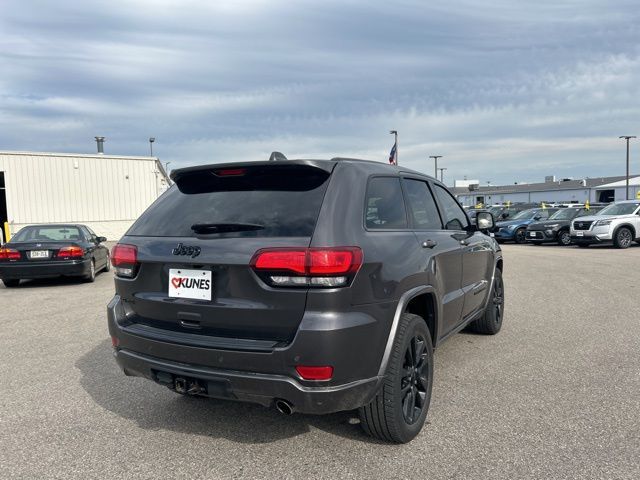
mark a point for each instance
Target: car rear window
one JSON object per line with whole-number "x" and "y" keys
{"x": 47, "y": 234}
{"x": 262, "y": 201}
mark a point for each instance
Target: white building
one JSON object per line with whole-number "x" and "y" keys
{"x": 606, "y": 189}
{"x": 105, "y": 192}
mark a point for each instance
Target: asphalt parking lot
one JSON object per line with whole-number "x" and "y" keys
{"x": 555, "y": 395}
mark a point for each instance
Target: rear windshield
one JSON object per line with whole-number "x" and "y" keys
{"x": 47, "y": 234}
{"x": 264, "y": 201}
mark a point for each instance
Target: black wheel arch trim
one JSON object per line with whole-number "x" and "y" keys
{"x": 400, "y": 309}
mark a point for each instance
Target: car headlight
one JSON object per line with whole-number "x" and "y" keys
{"x": 602, "y": 223}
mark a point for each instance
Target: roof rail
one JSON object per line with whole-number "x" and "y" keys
{"x": 277, "y": 156}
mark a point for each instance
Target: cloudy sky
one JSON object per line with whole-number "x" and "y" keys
{"x": 505, "y": 90}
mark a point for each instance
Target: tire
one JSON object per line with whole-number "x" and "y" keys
{"x": 564, "y": 238}
{"x": 491, "y": 321}
{"x": 623, "y": 238}
{"x": 519, "y": 236}
{"x": 398, "y": 411}
{"x": 11, "y": 283}
{"x": 91, "y": 276}
{"x": 107, "y": 267}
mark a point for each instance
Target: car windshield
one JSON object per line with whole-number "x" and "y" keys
{"x": 524, "y": 214}
{"x": 620, "y": 209}
{"x": 565, "y": 214}
{"x": 47, "y": 234}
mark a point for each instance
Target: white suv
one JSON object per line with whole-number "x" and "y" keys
{"x": 618, "y": 223}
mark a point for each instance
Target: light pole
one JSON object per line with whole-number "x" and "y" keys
{"x": 151, "y": 140}
{"x": 395, "y": 142}
{"x": 436, "y": 157}
{"x": 442, "y": 174}
{"x": 627, "y": 137}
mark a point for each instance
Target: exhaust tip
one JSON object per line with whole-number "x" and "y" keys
{"x": 180, "y": 385}
{"x": 284, "y": 407}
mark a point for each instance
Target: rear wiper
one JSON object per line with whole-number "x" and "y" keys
{"x": 224, "y": 227}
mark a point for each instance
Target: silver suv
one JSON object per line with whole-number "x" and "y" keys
{"x": 619, "y": 223}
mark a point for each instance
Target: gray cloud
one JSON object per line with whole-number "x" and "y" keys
{"x": 508, "y": 91}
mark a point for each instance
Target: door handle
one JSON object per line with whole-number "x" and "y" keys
{"x": 429, "y": 243}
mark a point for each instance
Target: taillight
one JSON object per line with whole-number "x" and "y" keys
{"x": 315, "y": 373}
{"x": 70, "y": 252}
{"x": 308, "y": 267}
{"x": 124, "y": 259}
{"x": 9, "y": 254}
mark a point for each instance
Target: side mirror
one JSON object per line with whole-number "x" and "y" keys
{"x": 484, "y": 221}
{"x": 101, "y": 239}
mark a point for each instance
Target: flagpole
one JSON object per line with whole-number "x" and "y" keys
{"x": 395, "y": 142}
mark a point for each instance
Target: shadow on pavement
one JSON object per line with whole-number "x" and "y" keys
{"x": 154, "y": 407}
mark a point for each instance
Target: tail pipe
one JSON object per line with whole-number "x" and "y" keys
{"x": 285, "y": 407}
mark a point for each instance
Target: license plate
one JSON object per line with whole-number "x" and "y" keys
{"x": 39, "y": 254}
{"x": 579, "y": 234}
{"x": 194, "y": 284}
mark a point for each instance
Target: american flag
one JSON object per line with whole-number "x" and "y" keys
{"x": 393, "y": 154}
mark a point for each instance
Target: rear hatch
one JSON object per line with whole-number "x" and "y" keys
{"x": 193, "y": 276}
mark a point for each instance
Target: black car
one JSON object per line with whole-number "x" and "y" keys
{"x": 53, "y": 250}
{"x": 556, "y": 228}
{"x": 312, "y": 286}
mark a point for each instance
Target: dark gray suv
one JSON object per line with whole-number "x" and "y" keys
{"x": 310, "y": 285}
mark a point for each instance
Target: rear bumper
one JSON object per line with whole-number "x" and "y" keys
{"x": 352, "y": 343}
{"x": 23, "y": 270}
{"x": 263, "y": 389}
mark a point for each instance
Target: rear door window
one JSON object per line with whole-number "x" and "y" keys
{"x": 260, "y": 201}
{"x": 454, "y": 216}
{"x": 384, "y": 204}
{"x": 422, "y": 206}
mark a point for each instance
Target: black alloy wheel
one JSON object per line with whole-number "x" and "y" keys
{"x": 414, "y": 384}
{"x": 520, "y": 235}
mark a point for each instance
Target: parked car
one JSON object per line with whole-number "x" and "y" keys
{"x": 309, "y": 285}
{"x": 514, "y": 229}
{"x": 502, "y": 212}
{"x": 619, "y": 224}
{"x": 52, "y": 250}
{"x": 556, "y": 228}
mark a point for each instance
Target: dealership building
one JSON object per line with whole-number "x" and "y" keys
{"x": 601, "y": 189}
{"x": 105, "y": 192}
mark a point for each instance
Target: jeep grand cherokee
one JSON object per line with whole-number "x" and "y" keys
{"x": 311, "y": 286}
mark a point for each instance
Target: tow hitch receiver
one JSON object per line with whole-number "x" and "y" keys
{"x": 182, "y": 385}
{"x": 187, "y": 386}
